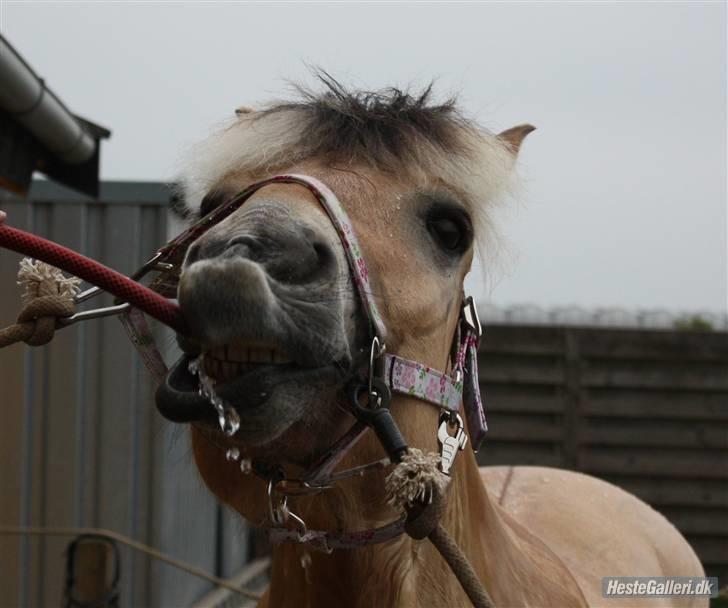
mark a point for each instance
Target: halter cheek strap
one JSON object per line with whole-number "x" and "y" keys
{"x": 402, "y": 375}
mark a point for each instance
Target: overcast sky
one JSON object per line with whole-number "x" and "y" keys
{"x": 624, "y": 197}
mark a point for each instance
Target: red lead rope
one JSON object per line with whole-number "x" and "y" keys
{"x": 95, "y": 273}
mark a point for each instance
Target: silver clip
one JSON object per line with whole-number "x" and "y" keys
{"x": 376, "y": 351}
{"x": 451, "y": 444}
{"x": 280, "y": 514}
{"x": 470, "y": 316}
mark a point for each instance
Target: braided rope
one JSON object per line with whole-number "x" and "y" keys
{"x": 48, "y": 296}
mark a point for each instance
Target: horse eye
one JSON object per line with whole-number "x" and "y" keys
{"x": 211, "y": 201}
{"x": 451, "y": 233}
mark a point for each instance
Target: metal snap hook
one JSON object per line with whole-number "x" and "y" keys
{"x": 280, "y": 514}
{"x": 376, "y": 351}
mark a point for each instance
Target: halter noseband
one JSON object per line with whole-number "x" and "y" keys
{"x": 387, "y": 373}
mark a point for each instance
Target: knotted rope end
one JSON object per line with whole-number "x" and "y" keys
{"x": 34, "y": 272}
{"x": 417, "y": 478}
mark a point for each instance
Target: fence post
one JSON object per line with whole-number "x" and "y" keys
{"x": 572, "y": 399}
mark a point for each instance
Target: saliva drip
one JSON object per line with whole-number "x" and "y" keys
{"x": 226, "y": 415}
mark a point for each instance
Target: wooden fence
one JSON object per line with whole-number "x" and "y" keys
{"x": 645, "y": 410}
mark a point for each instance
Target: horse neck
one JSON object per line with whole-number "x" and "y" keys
{"x": 515, "y": 568}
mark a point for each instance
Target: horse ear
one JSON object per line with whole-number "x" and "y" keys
{"x": 514, "y": 136}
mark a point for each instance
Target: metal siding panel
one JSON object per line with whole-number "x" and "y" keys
{"x": 37, "y": 434}
{"x": 115, "y": 421}
{"x": 93, "y": 333}
{"x": 62, "y": 401}
{"x": 12, "y": 402}
{"x": 235, "y": 541}
{"x": 185, "y": 521}
{"x": 144, "y": 421}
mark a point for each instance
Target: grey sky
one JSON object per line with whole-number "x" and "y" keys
{"x": 624, "y": 182}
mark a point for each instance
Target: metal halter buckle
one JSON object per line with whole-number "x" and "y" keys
{"x": 470, "y": 316}
{"x": 376, "y": 351}
{"x": 450, "y": 445}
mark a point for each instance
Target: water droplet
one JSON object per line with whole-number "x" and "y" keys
{"x": 246, "y": 466}
{"x": 232, "y": 454}
{"x": 231, "y": 422}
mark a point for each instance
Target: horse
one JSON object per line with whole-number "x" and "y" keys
{"x": 277, "y": 325}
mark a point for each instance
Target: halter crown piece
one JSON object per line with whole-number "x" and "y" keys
{"x": 386, "y": 374}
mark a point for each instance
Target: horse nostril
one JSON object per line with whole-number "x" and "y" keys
{"x": 323, "y": 253}
{"x": 244, "y": 245}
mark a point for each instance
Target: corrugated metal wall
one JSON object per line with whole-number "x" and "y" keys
{"x": 645, "y": 410}
{"x": 81, "y": 443}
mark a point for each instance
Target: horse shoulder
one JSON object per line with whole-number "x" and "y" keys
{"x": 596, "y": 528}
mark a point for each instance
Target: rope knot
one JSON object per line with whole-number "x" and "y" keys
{"x": 417, "y": 486}
{"x": 47, "y": 296}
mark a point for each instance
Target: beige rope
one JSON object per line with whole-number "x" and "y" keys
{"x": 47, "y": 296}
{"x": 137, "y": 546}
{"x": 460, "y": 565}
{"x": 418, "y": 486}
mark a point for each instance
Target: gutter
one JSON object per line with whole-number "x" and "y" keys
{"x": 26, "y": 98}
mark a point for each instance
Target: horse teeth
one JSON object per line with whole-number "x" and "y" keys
{"x": 218, "y": 353}
{"x": 259, "y": 355}
{"x": 237, "y": 352}
{"x": 223, "y": 359}
{"x": 280, "y": 358}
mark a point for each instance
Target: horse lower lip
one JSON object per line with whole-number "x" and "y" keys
{"x": 177, "y": 397}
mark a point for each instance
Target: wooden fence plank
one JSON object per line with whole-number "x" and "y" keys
{"x": 650, "y": 433}
{"x": 656, "y": 404}
{"x": 516, "y": 398}
{"x": 686, "y": 375}
{"x": 699, "y": 522}
{"x": 657, "y": 463}
{"x": 663, "y": 346}
{"x": 517, "y": 427}
{"x": 522, "y": 370}
{"x": 669, "y": 492}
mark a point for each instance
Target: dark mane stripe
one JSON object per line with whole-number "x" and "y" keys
{"x": 384, "y": 128}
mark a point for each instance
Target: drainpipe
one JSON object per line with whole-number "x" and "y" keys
{"x": 26, "y": 98}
